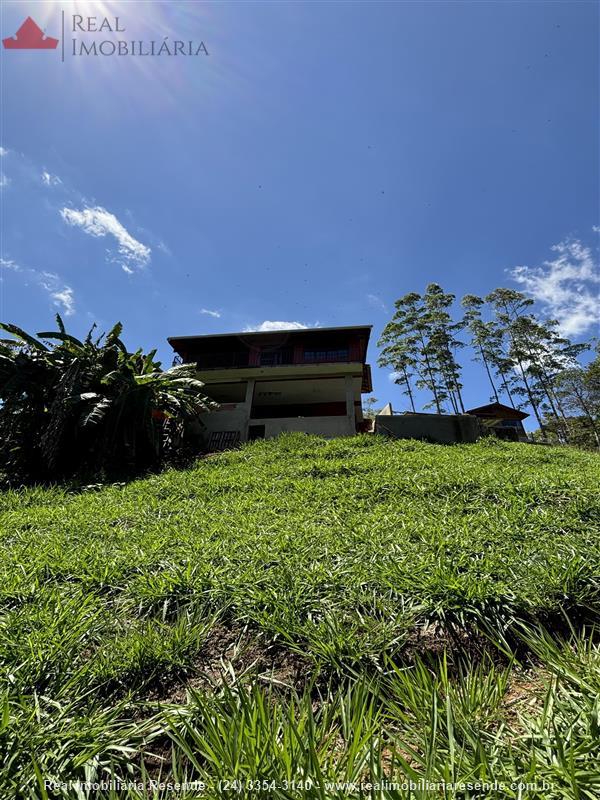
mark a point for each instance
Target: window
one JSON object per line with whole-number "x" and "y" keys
{"x": 327, "y": 355}
{"x": 273, "y": 358}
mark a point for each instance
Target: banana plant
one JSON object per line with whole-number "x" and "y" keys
{"x": 73, "y": 408}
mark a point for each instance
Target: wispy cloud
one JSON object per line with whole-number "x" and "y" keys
{"x": 3, "y": 151}
{"x": 4, "y": 181}
{"x": 61, "y": 295}
{"x": 276, "y": 325}
{"x": 8, "y": 263}
{"x": 64, "y": 298}
{"x": 376, "y": 302}
{"x": 50, "y": 180}
{"x": 567, "y": 287}
{"x": 210, "y": 312}
{"x": 97, "y": 221}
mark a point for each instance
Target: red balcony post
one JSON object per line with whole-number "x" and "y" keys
{"x": 254, "y": 356}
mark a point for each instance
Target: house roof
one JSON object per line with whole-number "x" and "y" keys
{"x": 497, "y": 410}
{"x": 364, "y": 329}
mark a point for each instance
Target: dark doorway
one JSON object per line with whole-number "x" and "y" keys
{"x": 256, "y": 432}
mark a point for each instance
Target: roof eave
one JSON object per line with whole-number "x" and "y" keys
{"x": 194, "y": 337}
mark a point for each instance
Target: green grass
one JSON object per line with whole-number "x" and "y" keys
{"x": 308, "y": 610}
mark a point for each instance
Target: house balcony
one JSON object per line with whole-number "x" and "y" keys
{"x": 272, "y": 358}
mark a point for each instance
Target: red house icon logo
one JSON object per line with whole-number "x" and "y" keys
{"x": 30, "y": 37}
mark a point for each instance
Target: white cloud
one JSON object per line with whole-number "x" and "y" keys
{"x": 596, "y": 228}
{"x": 210, "y": 313}
{"x": 8, "y": 263}
{"x": 3, "y": 151}
{"x": 566, "y": 287}
{"x": 62, "y": 296}
{"x": 276, "y": 325}
{"x": 50, "y": 180}
{"x": 4, "y": 181}
{"x": 98, "y": 222}
{"x": 376, "y": 301}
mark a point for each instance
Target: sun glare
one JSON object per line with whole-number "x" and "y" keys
{"x": 141, "y": 50}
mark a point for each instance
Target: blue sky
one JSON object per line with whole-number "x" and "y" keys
{"x": 323, "y": 159}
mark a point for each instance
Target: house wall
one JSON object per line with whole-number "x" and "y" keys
{"x": 342, "y": 392}
{"x": 231, "y": 416}
{"x": 329, "y": 427}
{"x": 225, "y": 419}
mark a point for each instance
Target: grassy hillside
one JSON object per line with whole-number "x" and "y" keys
{"x": 349, "y": 610}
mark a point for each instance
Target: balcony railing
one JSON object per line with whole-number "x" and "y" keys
{"x": 223, "y": 361}
{"x": 273, "y": 358}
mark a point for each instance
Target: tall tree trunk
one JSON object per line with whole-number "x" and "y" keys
{"x": 561, "y": 411}
{"x": 542, "y": 377}
{"x": 451, "y": 395}
{"x": 448, "y": 385}
{"x": 489, "y": 374}
{"x": 409, "y": 389}
{"x": 532, "y": 402}
{"x": 460, "y": 400}
{"x": 455, "y": 381}
{"x": 555, "y": 414}
{"x": 431, "y": 374}
{"x": 506, "y": 389}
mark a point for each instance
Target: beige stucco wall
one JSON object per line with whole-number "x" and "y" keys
{"x": 330, "y": 427}
{"x": 236, "y": 416}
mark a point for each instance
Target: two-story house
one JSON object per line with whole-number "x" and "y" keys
{"x": 307, "y": 380}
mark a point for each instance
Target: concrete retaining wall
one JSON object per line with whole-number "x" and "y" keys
{"x": 439, "y": 428}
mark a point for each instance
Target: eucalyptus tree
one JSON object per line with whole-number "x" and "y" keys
{"x": 442, "y": 345}
{"x": 489, "y": 341}
{"x": 502, "y": 363}
{"x": 576, "y": 388}
{"x": 511, "y": 310}
{"x": 369, "y": 410}
{"x": 482, "y": 337}
{"x": 577, "y": 396}
{"x": 592, "y": 378}
{"x": 406, "y": 348}
{"x": 554, "y": 355}
{"x": 539, "y": 354}
{"x": 399, "y": 354}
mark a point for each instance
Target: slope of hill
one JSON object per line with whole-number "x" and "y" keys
{"x": 352, "y": 610}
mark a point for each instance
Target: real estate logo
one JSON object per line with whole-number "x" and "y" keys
{"x": 99, "y": 36}
{"x": 30, "y": 37}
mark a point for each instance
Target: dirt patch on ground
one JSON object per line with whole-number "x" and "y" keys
{"x": 525, "y": 693}
{"x": 235, "y": 653}
{"x": 461, "y": 647}
{"x": 231, "y": 654}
